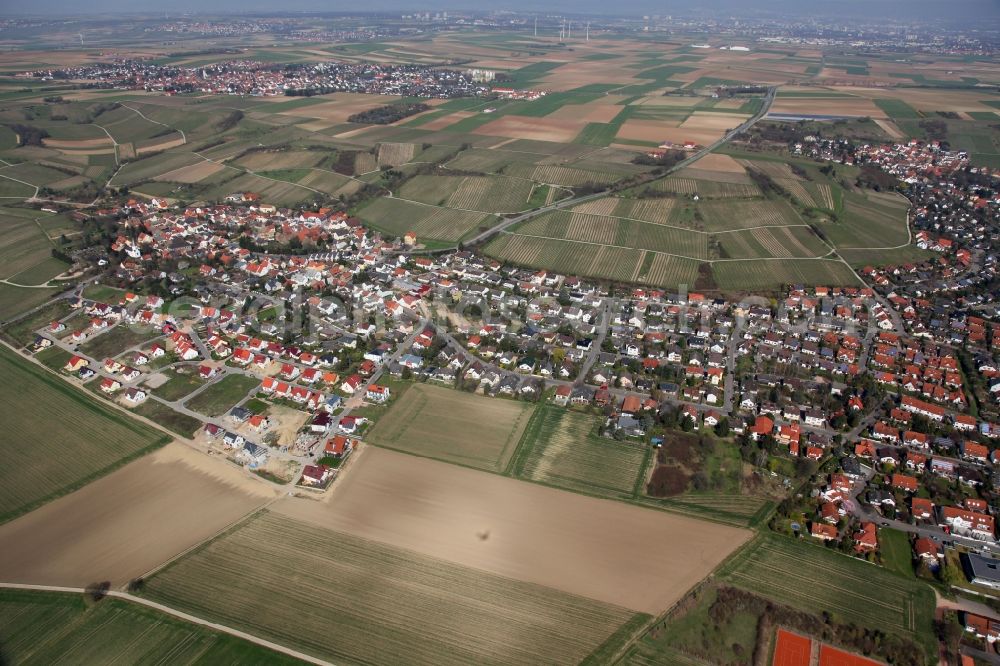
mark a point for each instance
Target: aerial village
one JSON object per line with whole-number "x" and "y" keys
{"x": 885, "y": 398}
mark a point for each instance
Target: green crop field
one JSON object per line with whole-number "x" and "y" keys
{"x": 57, "y": 438}
{"x": 366, "y": 602}
{"x": 223, "y": 395}
{"x": 561, "y": 448}
{"x": 23, "y": 247}
{"x": 115, "y": 341}
{"x": 772, "y": 274}
{"x": 432, "y": 421}
{"x": 178, "y": 384}
{"x": 810, "y": 577}
{"x": 730, "y": 215}
{"x": 897, "y": 109}
{"x": 872, "y": 221}
{"x": 488, "y": 194}
{"x": 772, "y": 242}
{"x": 593, "y": 260}
{"x": 54, "y": 628}
{"x": 704, "y": 188}
{"x": 427, "y": 222}
{"x": 626, "y": 233}
{"x": 908, "y": 253}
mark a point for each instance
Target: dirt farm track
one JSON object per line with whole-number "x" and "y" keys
{"x": 632, "y": 557}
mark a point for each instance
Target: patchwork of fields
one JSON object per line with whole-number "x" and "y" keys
{"x": 49, "y": 628}
{"x": 518, "y": 530}
{"x": 397, "y": 217}
{"x": 369, "y": 602}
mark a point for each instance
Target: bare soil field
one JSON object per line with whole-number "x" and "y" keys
{"x": 704, "y": 120}
{"x": 446, "y": 120}
{"x": 286, "y": 422}
{"x": 76, "y": 144}
{"x": 102, "y": 531}
{"x": 623, "y": 555}
{"x": 356, "y": 601}
{"x": 538, "y": 129}
{"x": 831, "y": 106}
{"x": 719, "y": 162}
{"x": 315, "y": 125}
{"x": 589, "y": 113}
{"x": 341, "y": 106}
{"x": 701, "y": 137}
{"x": 661, "y": 100}
{"x": 191, "y": 174}
{"x": 889, "y": 128}
{"x": 173, "y": 143}
{"x": 735, "y": 103}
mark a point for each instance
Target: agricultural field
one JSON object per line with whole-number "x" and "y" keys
{"x": 526, "y": 531}
{"x": 870, "y": 221}
{"x": 604, "y": 230}
{"x": 51, "y": 627}
{"x": 776, "y": 242}
{"x": 815, "y": 579}
{"x": 432, "y": 421}
{"x": 223, "y": 395}
{"x": 745, "y": 214}
{"x": 365, "y": 601}
{"x": 46, "y": 457}
{"x": 396, "y": 217}
{"x": 102, "y": 531}
{"x": 488, "y": 194}
{"x": 768, "y": 274}
{"x": 26, "y": 248}
{"x": 561, "y": 448}
{"x": 592, "y": 260}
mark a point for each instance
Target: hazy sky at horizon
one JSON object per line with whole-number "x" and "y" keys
{"x": 902, "y": 9}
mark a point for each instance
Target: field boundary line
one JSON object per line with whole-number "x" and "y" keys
{"x": 23, "y": 182}
{"x": 206, "y": 541}
{"x": 679, "y": 256}
{"x": 156, "y": 122}
{"x": 193, "y": 619}
{"x": 254, "y": 173}
{"x": 117, "y": 163}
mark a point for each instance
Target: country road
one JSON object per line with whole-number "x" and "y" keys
{"x": 178, "y": 614}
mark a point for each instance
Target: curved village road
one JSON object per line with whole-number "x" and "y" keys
{"x": 565, "y": 203}
{"x": 178, "y": 614}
